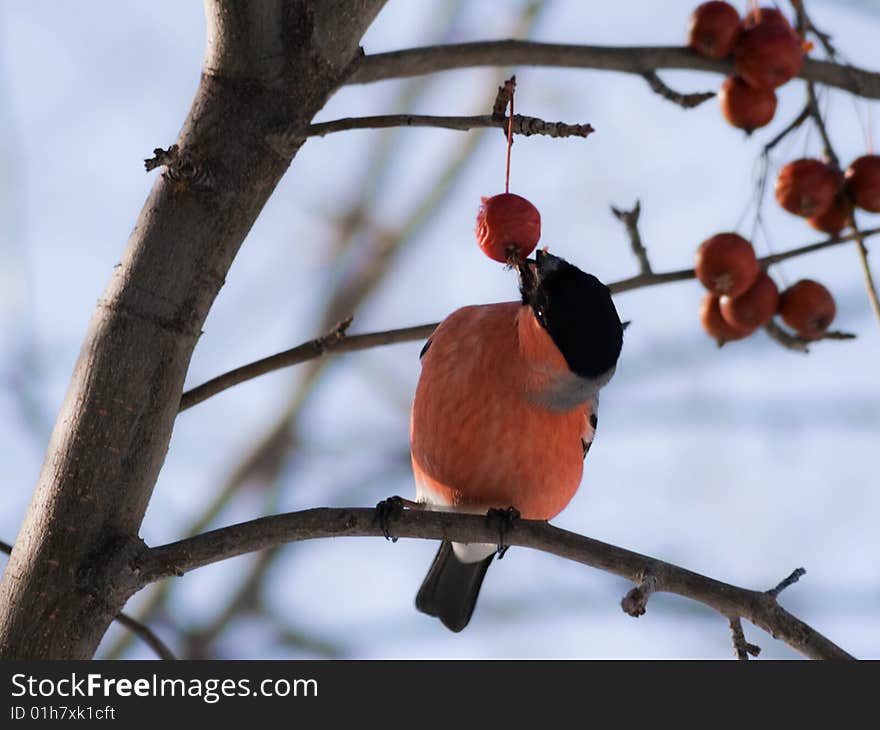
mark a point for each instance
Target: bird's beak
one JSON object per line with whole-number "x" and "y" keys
{"x": 528, "y": 280}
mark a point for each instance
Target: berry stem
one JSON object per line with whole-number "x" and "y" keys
{"x": 509, "y": 141}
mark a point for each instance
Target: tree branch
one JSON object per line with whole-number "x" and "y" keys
{"x": 632, "y": 59}
{"x": 336, "y": 342}
{"x": 523, "y": 125}
{"x": 759, "y": 607}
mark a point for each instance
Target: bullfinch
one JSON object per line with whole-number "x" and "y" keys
{"x": 505, "y": 411}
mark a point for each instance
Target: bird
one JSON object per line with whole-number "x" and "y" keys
{"x": 505, "y": 411}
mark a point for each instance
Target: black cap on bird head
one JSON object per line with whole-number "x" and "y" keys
{"x": 576, "y": 310}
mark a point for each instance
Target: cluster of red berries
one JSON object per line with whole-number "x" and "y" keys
{"x": 820, "y": 193}
{"x": 741, "y": 297}
{"x": 767, "y": 52}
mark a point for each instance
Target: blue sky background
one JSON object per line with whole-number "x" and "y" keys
{"x": 741, "y": 463}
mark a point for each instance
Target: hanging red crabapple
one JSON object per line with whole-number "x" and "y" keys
{"x": 807, "y": 187}
{"x": 836, "y": 218}
{"x": 507, "y": 224}
{"x": 753, "y": 308}
{"x": 713, "y": 29}
{"x": 744, "y": 106}
{"x": 726, "y": 264}
{"x": 767, "y": 55}
{"x": 715, "y": 325}
{"x": 863, "y": 182}
{"x": 808, "y": 308}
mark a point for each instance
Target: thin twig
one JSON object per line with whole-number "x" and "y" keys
{"x": 321, "y": 347}
{"x": 870, "y": 287}
{"x": 302, "y": 353}
{"x": 796, "y": 342}
{"x": 163, "y": 158}
{"x": 815, "y": 113}
{"x": 630, "y": 218}
{"x": 761, "y": 608}
{"x": 627, "y": 59}
{"x": 136, "y": 627}
{"x": 635, "y": 602}
{"x": 793, "y": 125}
{"x": 686, "y": 101}
{"x": 147, "y": 635}
{"x": 523, "y": 125}
{"x": 805, "y": 25}
{"x": 793, "y": 578}
{"x": 742, "y": 647}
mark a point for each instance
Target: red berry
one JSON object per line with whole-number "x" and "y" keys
{"x": 768, "y": 55}
{"x": 746, "y": 107}
{"x": 507, "y": 224}
{"x": 765, "y": 15}
{"x": 808, "y": 308}
{"x": 836, "y": 218}
{"x": 807, "y": 187}
{"x": 713, "y": 29}
{"x": 726, "y": 264}
{"x": 755, "y": 307}
{"x": 863, "y": 182}
{"x": 715, "y": 325}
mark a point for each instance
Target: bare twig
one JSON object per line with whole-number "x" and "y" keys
{"x": 163, "y": 158}
{"x": 145, "y": 633}
{"x": 181, "y": 167}
{"x": 632, "y": 59}
{"x": 523, "y": 125}
{"x": 813, "y": 105}
{"x": 503, "y": 97}
{"x": 635, "y": 602}
{"x": 335, "y": 342}
{"x": 686, "y": 101}
{"x": 793, "y": 125}
{"x": 805, "y": 25}
{"x": 761, "y": 608}
{"x": 350, "y": 343}
{"x": 793, "y": 578}
{"x": 742, "y": 647}
{"x": 306, "y": 351}
{"x": 630, "y": 218}
{"x": 798, "y": 343}
{"x": 870, "y": 287}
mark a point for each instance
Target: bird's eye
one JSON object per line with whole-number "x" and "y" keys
{"x": 539, "y": 313}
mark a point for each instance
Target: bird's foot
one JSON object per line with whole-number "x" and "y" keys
{"x": 389, "y": 509}
{"x": 502, "y": 520}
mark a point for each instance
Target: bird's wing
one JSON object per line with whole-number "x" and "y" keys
{"x": 591, "y": 421}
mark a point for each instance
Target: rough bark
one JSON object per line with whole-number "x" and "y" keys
{"x": 268, "y": 65}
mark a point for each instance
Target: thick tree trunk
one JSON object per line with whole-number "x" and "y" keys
{"x": 268, "y": 65}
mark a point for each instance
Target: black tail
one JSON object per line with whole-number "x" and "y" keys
{"x": 451, "y": 587}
